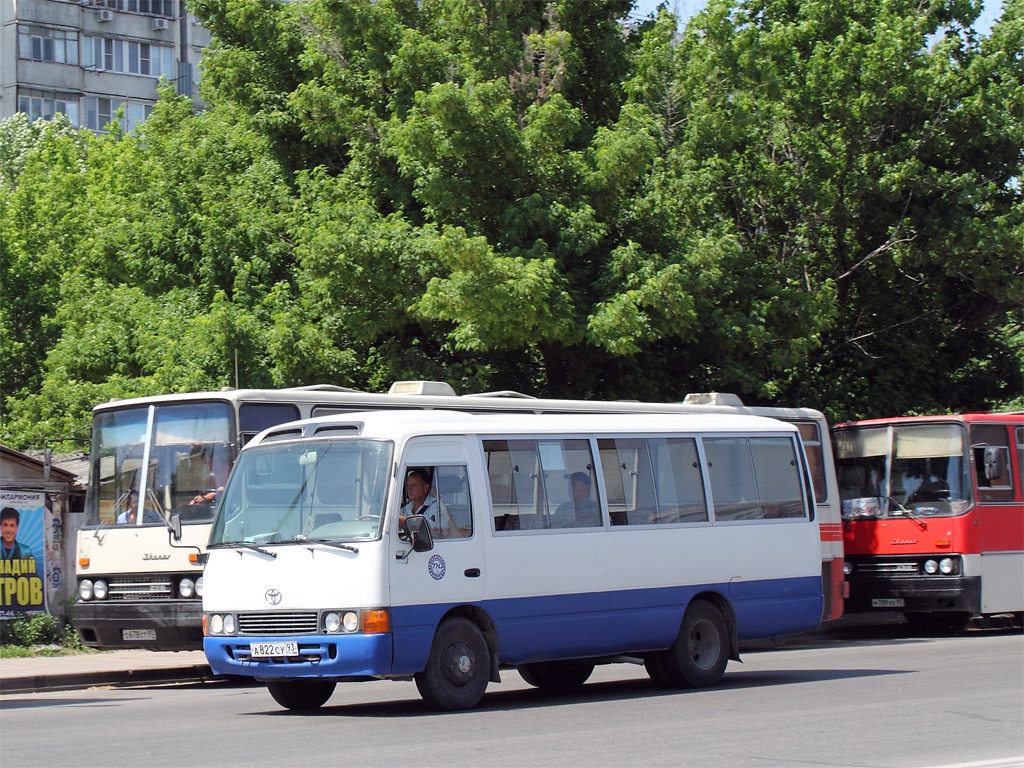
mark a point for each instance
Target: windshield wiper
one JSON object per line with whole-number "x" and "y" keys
{"x": 908, "y": 512}
{"x": 301, "y": 539}
{"x": 245, "y": 544}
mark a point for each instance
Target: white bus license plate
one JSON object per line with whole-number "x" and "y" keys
{"x": 267, "y": 650}
{"x": 887, "y": 602}
{"x": 138, "y": 634}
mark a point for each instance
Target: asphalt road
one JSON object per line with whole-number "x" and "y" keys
{"x": 865, "y": 697}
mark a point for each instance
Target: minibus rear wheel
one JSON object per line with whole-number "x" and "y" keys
{"x": 700, "y": 653}
{"x": 301, "y": 695}
{"x": 458, "y": 667}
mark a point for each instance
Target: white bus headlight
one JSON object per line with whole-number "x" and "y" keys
{"x": 216, "y": 624}
{"x": 931, "y": 567}
{"x": 199, "y": 587}
{"x": 350, "y": 621}
{"x": 186, "y": 587}
{"x": 229, "y": 624}
{"x": 99, "y": 589}
{"x": 947, "y": 565}
{"x": 332, "y": 622}
{"x": 85, "y": 589}
{"x": 847, "y": 567}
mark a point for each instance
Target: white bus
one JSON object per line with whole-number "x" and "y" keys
{"x": 444, "y": 547}
{"x": 140, "y": 584}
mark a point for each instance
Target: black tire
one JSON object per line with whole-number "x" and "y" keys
{"x": 301, "y": 695}
{"x": 698, "y": 657}
{"x": 458, "y": 667}
{"x": 939, "y": 622}
{"x": 556, "y": 674}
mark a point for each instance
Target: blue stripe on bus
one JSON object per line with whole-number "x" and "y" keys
{"x": 540, "y": 628}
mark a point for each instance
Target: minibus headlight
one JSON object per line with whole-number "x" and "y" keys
{"x": 947, "y": 565}
{"x": 350, "y": 621}
{"x": 216, "y": 624}
{"x": 99, "y": 589}
{"x": 931, "y": 567}
{"x": 199, "y": 587}
{"x": 229, "y": 624}
{"x": 332, "y": 622}
{"x": 186, "y": 587}
{"x": 85, "y": 589}
{"x": 847, "y": 568}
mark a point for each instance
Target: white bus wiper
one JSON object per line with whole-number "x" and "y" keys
{"x": 237, "y": 544}
{"x": 301, "y": 539}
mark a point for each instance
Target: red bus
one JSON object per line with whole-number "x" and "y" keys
{"x": 933, "y": 516}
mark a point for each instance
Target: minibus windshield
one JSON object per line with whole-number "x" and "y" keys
{"x": 328, "y": 490}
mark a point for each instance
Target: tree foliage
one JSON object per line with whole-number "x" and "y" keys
{"x": 814, "y": 203}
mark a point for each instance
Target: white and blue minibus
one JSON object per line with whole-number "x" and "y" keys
{"x": 445, "y": 547}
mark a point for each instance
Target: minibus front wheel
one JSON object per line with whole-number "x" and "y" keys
{"x": 301, "y": 695}
{"x": 458, "y": 667}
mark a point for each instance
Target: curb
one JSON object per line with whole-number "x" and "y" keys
{"x": 119, "y": 678}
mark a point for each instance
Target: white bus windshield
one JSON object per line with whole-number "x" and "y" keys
{"x": 329, "y": 490}
{"x": 186, "y": 448}
{"x": 890, "y": 471}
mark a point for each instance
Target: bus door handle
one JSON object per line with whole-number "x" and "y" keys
{"x": 472, "y": 572}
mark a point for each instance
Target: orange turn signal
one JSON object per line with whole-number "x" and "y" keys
{"x": 84, "y": 562}
{"x": 193, "y": 557}
{"x": 375, "y": 621}
{"x": 942, "y": 542}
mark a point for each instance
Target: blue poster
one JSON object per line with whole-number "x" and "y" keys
{"x": 22, "y": 553}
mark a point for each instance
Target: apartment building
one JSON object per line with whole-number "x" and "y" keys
{"x": 88, "y": 58}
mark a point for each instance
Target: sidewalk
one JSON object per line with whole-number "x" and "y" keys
{"x": 84, "y": 670}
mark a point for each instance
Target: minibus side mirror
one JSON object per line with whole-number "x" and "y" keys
{"x": 419, "y": 533}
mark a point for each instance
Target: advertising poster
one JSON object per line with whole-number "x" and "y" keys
{"x": 22, "y": 553}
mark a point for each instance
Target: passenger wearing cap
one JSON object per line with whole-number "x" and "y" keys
{"x": 580, "y": 511}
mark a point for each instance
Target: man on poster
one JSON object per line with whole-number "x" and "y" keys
{"x": 21, "y": 554}
{"x": 12, "y": 549}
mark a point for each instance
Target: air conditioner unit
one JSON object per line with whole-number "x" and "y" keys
{"x": 159, "y": 24}
{"x": 104, "y": 15}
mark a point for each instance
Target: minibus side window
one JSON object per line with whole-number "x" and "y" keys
{"x": 731, "y": 470}
{"x": 778, "y": 477}
{"x": 444, "y": 500}
{"x": 680, "y": 484}
{"x": 542, "y": 484}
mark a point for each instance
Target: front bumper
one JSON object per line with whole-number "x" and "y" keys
{"x": 352, "y": 657}
{"x": 172, "y": 625}
{"x": 915, "y": 594}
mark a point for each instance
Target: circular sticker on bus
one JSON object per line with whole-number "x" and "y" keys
{"x": 435, "y": 567}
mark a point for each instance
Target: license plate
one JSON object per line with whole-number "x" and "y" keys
{"x": 887, "y": 602}
{"x": 267, "y": 650}
{"x": 138, "y": 634}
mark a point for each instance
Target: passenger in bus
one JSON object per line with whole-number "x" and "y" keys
{"x": 580, "y": 511}
{"x": 131, "y": 512}
{"x": 423, "y": 502}
{"x": 131, "y": 509}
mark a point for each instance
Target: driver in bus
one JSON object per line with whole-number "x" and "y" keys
{"x": 423, "y": 502}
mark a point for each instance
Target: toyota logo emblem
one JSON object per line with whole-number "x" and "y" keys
{"x": 273, "y": 596}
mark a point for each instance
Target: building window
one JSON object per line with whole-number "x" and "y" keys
{"x": 45, "y": 104}
{"x": 128, "y": 57}
{"x": 148, "y": 7}
{"x": 100, "y": 111}
{"x": 42, "y": 44}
